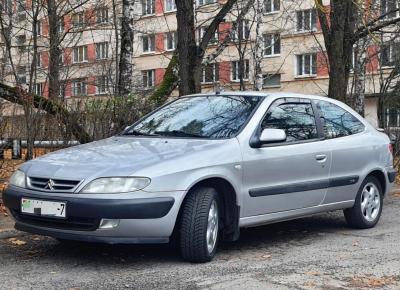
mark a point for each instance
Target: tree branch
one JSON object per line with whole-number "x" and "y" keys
{"x": 368, "y": 29}
{"x": 323, "y": 19}
{"x": 214, "y": 24}
{"x": 20, "y": 97}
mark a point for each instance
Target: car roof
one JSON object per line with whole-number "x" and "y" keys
{"x": 278, "y": 95}
{"x": 260, "y": 94}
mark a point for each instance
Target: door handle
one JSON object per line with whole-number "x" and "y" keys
{"x": 320, "y": 158}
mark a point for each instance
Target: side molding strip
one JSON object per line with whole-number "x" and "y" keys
{"x": 304, "y": 186}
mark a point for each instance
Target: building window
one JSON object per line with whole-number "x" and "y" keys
{"x": 242, "y": 32}
{"x": 390, "y": 54}
{"x": 6, "y": 6}
{"x": 61, "y": 90}
{"x": 202, "y": 31}
{"x": 78, "y": 20}
{"x": 80, "y": 54}
{"x": 307, "y": 20}
{"x": 60, "y": 25}
{"x": 21, "y": 10}
{"x": 102, "y": 15}
{"x": 390, "y": 8}
{"x": 61, "y": 59}
{"x": 171, "y": 40}
{"x": 148, "y": 78}
{"x": 272, "y": 44}
{"x": 271, "y": 80}
{"x": 38, "y": 61}
{"x": 204, "y": 2}
{"x": 21, "y": 6}
{"x": 102, "y": 85}
{"x": 38, "y": 28}
{"x": 102, "y": 50}
{"x": 21, "y": 72}
{"x": 210, "y": 74}
{"x": 21, "y": 39}
{"x": 148, "y": 7}
{"x": 79, "y": 87}
{"x": 148, "y": 43}
{"x": 271, "y": 6}
{"x": 38, "y": 89}
{"x": 307, "y": 64}
{"x": 170, "y": 5}
{"x": 235, "y": 70}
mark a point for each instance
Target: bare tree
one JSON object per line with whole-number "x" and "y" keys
{"x": 343, "y": 25}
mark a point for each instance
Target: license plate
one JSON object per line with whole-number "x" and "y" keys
{"x": 43, "y": 208}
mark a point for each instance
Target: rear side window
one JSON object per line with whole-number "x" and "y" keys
{"x": 297, "y": 119}
{"x": 338, "y": 122}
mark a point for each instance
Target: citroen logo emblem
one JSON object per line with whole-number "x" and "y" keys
{"x": 50, "y": 184}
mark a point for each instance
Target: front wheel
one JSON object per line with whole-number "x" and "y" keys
{"x": 200, "y": 224}
{"x": 368, "y": 205}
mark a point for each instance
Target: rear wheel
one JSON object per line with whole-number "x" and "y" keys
{"x": 368, "y": 205}
{"x": 200, "y": 225}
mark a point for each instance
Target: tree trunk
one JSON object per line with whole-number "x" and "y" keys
{"x": 359, "y": 76}
{"x": 258, "y": 49}
{"x": 116, "y": 31}
{"x": 54, "y": 51}
{"x": 126, "y": 55}
{"x": 188, "y": 51}
{"x": 339, "y": 37}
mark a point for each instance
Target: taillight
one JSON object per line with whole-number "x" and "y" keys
{"x": 390, "y": 147}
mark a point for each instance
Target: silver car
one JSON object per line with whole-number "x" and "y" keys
{"x": 204, "y": 166}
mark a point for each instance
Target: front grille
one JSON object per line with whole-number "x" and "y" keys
{"x": 71, "y": 223}
{"x": 50, "y": 184}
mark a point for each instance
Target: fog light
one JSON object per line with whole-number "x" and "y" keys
{"x": 108, "y": 224}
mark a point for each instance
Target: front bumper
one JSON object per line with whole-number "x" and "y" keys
{"x": 144, "y": 217}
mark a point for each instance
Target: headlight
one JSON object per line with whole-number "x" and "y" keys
{"x": 116, "y": 185}
{"x": 18, "y": 179}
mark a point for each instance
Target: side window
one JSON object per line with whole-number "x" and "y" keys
{"x": 297, "y": 119}
{"x": 338, "y": 122}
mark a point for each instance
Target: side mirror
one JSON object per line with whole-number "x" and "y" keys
{"x": 267, "y": 136}
{"x": 272, "y": 136}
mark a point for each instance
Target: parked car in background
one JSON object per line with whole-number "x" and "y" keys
{"x": 204, "y": 166}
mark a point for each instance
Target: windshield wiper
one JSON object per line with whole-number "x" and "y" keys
{"x": 137, "y": 133}
{"x": 178, "y": 133}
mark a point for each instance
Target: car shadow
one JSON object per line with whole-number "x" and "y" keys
{"x": 279, "y": 235}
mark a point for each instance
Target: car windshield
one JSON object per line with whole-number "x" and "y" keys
{"x": 214, "y": 117}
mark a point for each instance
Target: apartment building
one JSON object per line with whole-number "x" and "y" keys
{"x": 292, "y": 48}
{"x": 293, "y": 51}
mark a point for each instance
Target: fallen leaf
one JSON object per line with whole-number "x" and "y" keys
{"x": 368, "y": 281}
{"x": 396, "y": 193}
{"x": 313, "y": 273}
{"x": 309, "y": 284}
{"x": 16, "y": 242}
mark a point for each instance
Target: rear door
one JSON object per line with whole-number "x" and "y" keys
{"x": 288, "y": 175}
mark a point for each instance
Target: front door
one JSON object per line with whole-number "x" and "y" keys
{"x": 289, "y": 175}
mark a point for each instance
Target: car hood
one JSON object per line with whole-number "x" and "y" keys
{"x": 126, "y": 156}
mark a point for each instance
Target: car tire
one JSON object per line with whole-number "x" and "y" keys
{"x": 368, "y": 205}
{"x": 200, "y": 225}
